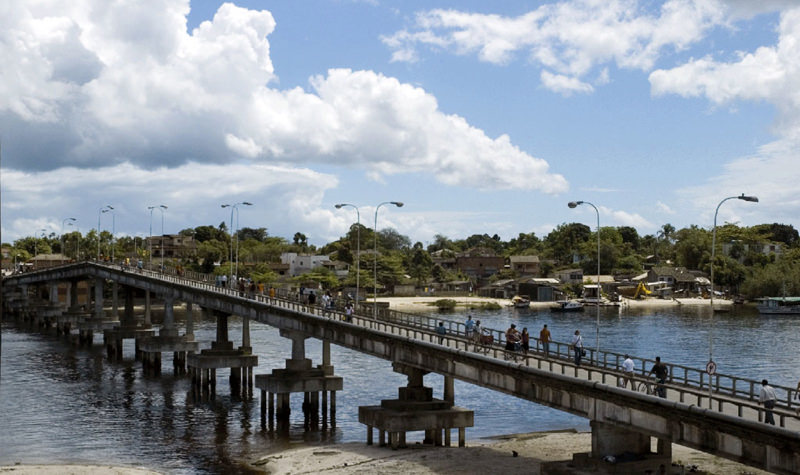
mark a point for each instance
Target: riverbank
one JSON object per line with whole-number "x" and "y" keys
{"x": 464, "y": 304}
{"x": 73, "y": 470}
{"x": 542, "y": 452}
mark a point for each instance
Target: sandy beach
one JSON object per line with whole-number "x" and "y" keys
{"x": 545, "y": 452}
{"x": 463, "y": 304}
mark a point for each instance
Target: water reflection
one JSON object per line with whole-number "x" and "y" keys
{"x": 60, "y": 403}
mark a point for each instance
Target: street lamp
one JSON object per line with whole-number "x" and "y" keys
{"x": 63, "y": 222}
{"x": 375, "y": 257}
{"x": 113, "y": 228}
{"x": 574, "y": 204}
{"x": 150, "y": 241}
{"x": 36, "y": 242}
{"x": 99, "y": 213}
{"x": 711, "y": 364}
{"x": 233, "y": 207}
{"x": 358, "y": 244}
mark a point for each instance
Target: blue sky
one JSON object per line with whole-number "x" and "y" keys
{"x": 482, "y": 117}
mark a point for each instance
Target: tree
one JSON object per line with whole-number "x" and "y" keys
{"x": 300, "y": 240}
{"x": 421, "y": 265}
{"x": 207, "y": 233}
{"x": 693, "y": 247}
{"x": 440, "y": 242}
{"x": 390, "y": 239}
{"x": 565, "y": 239}
{"x": 258, "y": 234}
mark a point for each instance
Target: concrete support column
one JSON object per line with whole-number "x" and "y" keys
{"x": 246, "y": 348}
{"x": 326, "y": 353}
{"x": 449, "y": 390}
{"x": 53, "y": 292}
{"x": 147, "y": 320}
{"x": 611, "y": 440}
{"x": 115, "y": 300}
{"x": 72, "y": 294}
{"x": 128, "y": 318}
{"x": 189, "y": 321}
{"x": 98, "y": 299}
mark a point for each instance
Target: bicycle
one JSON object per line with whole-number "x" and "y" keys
{"x": 653, "y": 389}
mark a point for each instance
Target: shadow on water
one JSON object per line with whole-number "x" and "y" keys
{"x": 62, "y": 403}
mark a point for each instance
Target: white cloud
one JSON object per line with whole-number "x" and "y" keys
{"x": 143, "y": 90}
{"x": 568, "y": 37}
{"x": 664, "y": 208}
{"x": 193, "y": 192}
{"x": 564, "y": 84}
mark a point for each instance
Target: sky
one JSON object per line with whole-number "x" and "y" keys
{"x": 480, "y": 117}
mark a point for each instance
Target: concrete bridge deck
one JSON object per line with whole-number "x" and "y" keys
{"x": 725, "y": 422}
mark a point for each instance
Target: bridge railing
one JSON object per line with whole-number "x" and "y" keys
{"x": 721, "y": 384}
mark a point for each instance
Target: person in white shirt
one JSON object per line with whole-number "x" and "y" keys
{"x": 577, "y": 347}
{"x": 627, "y": 370}
{"x": 767, "y": 398}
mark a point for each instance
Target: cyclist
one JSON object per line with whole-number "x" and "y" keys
{"x": 661, "y": 371}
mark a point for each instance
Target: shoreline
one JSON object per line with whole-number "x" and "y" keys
{"x": 531, "y": 453}
{"x": 425, "y": 303}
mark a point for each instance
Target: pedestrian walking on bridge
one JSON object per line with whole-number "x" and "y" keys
{"x": 577, "y": 347}
{"x": 767, "y": 398}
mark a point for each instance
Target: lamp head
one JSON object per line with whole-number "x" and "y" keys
{"x": 574, "y": 204}
{"x": 247, "y": 203}
{"x": 338, "y": 206}
{"x": 225, "y": 206}
{"x": 744, "y": 197}
{"x": 162, "y": 206}
{"x": 72, "y": 219}
{"x": 399, "y": 204}
{"x": 110, "y": 207}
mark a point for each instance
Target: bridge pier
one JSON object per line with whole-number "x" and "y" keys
{"x": 203, "y": 366}
{"x": 128, "y": 328}
{"x": 416, "y": 409}
{"x": 168, "y": 340}
{"x": 97, "y": 322}
{"x": 299, "y": 375}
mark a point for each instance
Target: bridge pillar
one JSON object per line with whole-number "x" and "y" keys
{"x": 147, "y": 319}
{"x": 620, "y": 442}
{"x": 98, "y": 299}
{"x": 222, "y": 355}
{"x": 114, "y": 300}
{"x": 417, "y": 410}
{"x": 189, "y": 320}
{"x": 299, "y": 375}
{"x": 127, "y": 328}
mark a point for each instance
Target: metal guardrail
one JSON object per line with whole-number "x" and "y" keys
{"x": 687, "y": 382}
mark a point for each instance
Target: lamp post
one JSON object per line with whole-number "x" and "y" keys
{"x": 711, "y": 364}
{"x": 574, "y": 204}
{"x": 36, "y": 242}
{"x": 99, "y": 213}
{"x": 375, "y": 260}
{"x": 63, "y": 222}
{"x": 113, "y": 228}
{"x": 358, "y": 245}
{"x": 233, "y": 207}
{"x": 150, "y": 241}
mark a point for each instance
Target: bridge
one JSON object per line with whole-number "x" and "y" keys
{"x": 717, "y": 414}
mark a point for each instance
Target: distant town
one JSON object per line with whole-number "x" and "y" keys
{"x": 749, "y": 262}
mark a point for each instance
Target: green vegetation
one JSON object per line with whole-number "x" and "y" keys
{"x": 444, "y": 304}
{"x": 762, "y": 260}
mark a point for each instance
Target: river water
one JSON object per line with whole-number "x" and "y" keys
{"x": 64, "y": 404}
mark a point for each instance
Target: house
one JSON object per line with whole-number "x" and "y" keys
{"x": 678, "y": 278}
{"x": 301, "y": 263}
{"x": 569, "y": 276}
{"x": 524, "y": 265}
{"x": 172, "y": 246}
{"x": 479, "y": 264}
{"x": 501, "y": 289}
{"x": 539, "y": 289}
{"x": 42, "y": 261}
{"x": 765, "y": 248}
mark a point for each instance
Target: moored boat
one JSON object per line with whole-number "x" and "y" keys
{"x": 521, "y": 301}
{"x": 568, "y": 306}
{"x": 779, "y": 306}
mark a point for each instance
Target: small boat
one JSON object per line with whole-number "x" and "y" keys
{"x": 779, "y": 306}
{"x": 568, "y": 306}
{"x": 521, "y": 301}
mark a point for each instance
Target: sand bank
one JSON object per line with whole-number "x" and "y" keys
{"x": 546, "y": 452}
{"x": 463, "y": 304}
{"x": 73, "y": 470}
